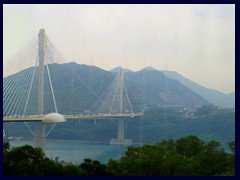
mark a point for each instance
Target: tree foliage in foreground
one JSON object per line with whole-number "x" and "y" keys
{"x": 187, "y": 156}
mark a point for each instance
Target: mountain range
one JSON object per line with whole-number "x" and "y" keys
{"x": 214, "y": 97}
{"x": 77, "y": 88}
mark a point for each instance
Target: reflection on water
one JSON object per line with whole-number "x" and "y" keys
{"x": 76, "y": 152}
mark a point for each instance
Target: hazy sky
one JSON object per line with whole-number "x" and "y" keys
{"x": 197, "y": 41}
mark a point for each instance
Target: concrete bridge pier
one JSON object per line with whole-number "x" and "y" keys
{"x": 120, "y": 135}
{"x": 40, "y": 138}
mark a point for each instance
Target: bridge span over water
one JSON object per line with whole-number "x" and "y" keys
{"x": 70, "y": 117}
{"x": 28, "y": 84}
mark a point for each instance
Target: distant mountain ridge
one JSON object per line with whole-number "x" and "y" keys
{"x": 154, "y": 88}
{"x": 212, "y": 96}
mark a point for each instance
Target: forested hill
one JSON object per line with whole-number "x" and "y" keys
{"x": 154, "y": 88}
{"x": 77, "y": 87}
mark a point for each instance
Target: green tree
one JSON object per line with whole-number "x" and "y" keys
{"x": 230, "y": 170}
{"x": 214, "y": 160}
{"x": 187, "y": 156}
{"x": 93, "y": 168}
{"x": 23, "y": 160}
{"x": 48, "y": 167}
{"x": 28, "y": 161}
{"x": 190, "y": 146}
{"x": 73, "y": 170}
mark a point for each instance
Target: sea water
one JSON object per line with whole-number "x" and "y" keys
{"x": 76, "y": 151}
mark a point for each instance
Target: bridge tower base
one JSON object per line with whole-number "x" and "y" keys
{"x": 40, "y": 138}
{"x": 120, "y": 135}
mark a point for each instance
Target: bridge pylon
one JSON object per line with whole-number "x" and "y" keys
{"x": 121, "y": 123}
{"x": 40, "y": 139}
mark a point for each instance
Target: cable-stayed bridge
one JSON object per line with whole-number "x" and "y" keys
{"x": 29, "y": 92}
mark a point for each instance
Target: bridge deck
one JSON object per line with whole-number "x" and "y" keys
{"x": 69, "y": 117}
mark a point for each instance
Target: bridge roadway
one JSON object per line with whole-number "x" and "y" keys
{"x": 69, "y": 117}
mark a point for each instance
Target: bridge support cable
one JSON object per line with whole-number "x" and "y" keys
{"x": 52, "y": 56}
{"x": 9, "y": 91}
{"x": 115, "y": 94}
{"x": 7, "y": 101}
{"x": 29, "y": 129}
{"x": 54, "y": 101}
{"x": 108, "y": 98}
{"x": 50, "y": 130}
{"x": 15, "y": 95}
{"x": 64, "y": 60}
{"x": 21, "y": 78}
{"x": 130, "y": 106}
{"x": 21, "y": 60}
{"x": 85, "y": 84}
{"x": 21, "y": 97}
{"x": 8, "y": 83}
{"x": 30, "y": 88}
{"x": 53, "y": 96}
{"x": 29, "y": 92}
{"x": 128, "y": 120}
{"x": 102, "y": 101}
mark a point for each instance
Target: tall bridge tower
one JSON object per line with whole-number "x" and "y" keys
{"x": 40, "y": 127}
{"x": 121, "y": 125}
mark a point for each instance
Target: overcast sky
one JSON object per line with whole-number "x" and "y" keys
{"x": 197, "y": 41}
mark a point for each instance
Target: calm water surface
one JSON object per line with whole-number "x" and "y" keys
{"x": 76, "y": 152}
